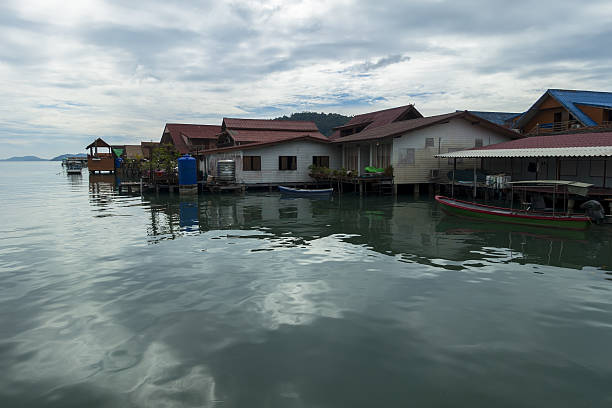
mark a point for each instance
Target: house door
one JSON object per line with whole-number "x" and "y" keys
{"x": 557, "y": 119}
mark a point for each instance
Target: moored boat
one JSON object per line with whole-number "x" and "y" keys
{"x": 507, "y": 215}
{"x": 306, "y": 192}
{"x": 73, "y": 167}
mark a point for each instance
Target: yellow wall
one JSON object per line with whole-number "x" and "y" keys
{"x": 597, "y": 114}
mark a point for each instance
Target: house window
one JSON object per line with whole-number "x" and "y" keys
{"x": 287, "y": 162}
{"x": 351, "y": 158}
{"x": 382, "y": 157}
{"x": 429, "y": 142}
{"x": 608, "y": 116}
{"x": 407, "y": 156}
{"x": 478, "y": 143}
{"x": 320, "y": 161}
{"x": 251, "y": 163}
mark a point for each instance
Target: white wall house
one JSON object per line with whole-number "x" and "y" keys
{"x": 410, "y": 146}
{"x": 413, "y": 152}
{"x": 275, "y": 162}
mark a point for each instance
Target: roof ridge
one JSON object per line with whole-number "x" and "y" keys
{"x": 385, "y": 110}
{"x": 578, "y": 90}
{"x": 190, "y": 124}
{"x": 272, "y": 120}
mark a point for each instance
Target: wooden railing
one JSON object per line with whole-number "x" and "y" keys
{"x": 556, "y": 127}
{"x": 552, "y": 127}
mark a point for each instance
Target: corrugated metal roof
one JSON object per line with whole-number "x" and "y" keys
{"x": 262, "y": 136}
{"x": 378, "y": 118}
{"x": 191, "y": 132}
{"x": 545, "y": 152}
{"x": 268, "y": 124}
{"x": 398, "y": 128}
{"x": 563, "y": 145}
{"x": 262, "y": 144}
{"x": 499, "y": 118}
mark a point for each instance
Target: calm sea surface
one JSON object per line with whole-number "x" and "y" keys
{"x": 111, "y": 300}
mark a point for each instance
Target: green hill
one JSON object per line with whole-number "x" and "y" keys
{"x": 324, "y": 121}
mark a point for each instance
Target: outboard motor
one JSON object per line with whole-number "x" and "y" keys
{"x": 594, "y": 211}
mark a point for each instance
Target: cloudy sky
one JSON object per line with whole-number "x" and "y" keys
{"x": 71, "y": 71}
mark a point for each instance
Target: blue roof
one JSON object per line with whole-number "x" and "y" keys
{"x": 569, "y": 99}
{"x": 499, "y": 118}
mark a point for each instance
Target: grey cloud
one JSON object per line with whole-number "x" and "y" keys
{"x": 230, "y": 46}
{"x": 381, "y": 63}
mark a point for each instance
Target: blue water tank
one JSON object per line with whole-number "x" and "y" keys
{"x": 187, "y": 169}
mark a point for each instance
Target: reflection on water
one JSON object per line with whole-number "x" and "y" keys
{"x": 111, "y": 300}
{"x": 414, "y": 230}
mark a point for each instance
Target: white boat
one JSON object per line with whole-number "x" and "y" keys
{"x": 306, "y": 192}
{"x": 73, "y": 167}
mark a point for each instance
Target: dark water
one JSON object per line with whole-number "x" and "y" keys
{"x": 111, "y": 300}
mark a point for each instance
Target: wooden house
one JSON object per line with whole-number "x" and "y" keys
{"x": 134, "y": 152}
{"x": 409, "y": 146}
{"x": 188, "y": 137}
{"x": 559, "y": 110}
{"x": 147, "y": 149}
{"x": 100, "y": 157}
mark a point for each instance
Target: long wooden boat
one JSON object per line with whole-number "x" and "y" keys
{"x": 306, "y": 192}
{"x": 507, "y": 215}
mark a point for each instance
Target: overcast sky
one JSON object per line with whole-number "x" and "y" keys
{"x": 71, "y": 71}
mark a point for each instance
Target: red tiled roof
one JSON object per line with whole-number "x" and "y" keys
{"x": 191, "y": 132}
{"x": 259, "y": 136}
{"x": 263, "y": 144}
{"x": 555, "y": 141}
{"x": 397, "y": 128}
{"x": 376, "y": 119}
{"x": 267, "y": 124}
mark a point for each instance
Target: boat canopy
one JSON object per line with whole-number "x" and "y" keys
{"x": 586, "y": 151}
{"x": 573, "y": 187}
{"x": 550, "y": 182}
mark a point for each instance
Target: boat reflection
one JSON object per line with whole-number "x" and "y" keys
{"x": 412, "y": 230}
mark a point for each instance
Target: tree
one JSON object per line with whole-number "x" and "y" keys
{"x": 165, "y": 157}
{"x": 324, "y": 121}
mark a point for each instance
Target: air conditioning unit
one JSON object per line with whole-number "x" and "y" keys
{"x": 434, "y": 173}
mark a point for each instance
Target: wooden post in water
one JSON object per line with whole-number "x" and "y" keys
{"x": 475, "y": 179}
{"x": 453, "y": 181}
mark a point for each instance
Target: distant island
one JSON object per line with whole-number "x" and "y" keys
{"x": 36, "y": 158}
{"x": 24, "y": 158}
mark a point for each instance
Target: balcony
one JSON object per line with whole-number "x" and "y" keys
{"x": 553, "y": 127}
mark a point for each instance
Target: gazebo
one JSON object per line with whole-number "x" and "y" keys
{"x": 98, "y": 161}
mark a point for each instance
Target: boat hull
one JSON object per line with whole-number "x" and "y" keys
{"x": 471, "y": 210}
{"x": 304, "y": 192}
